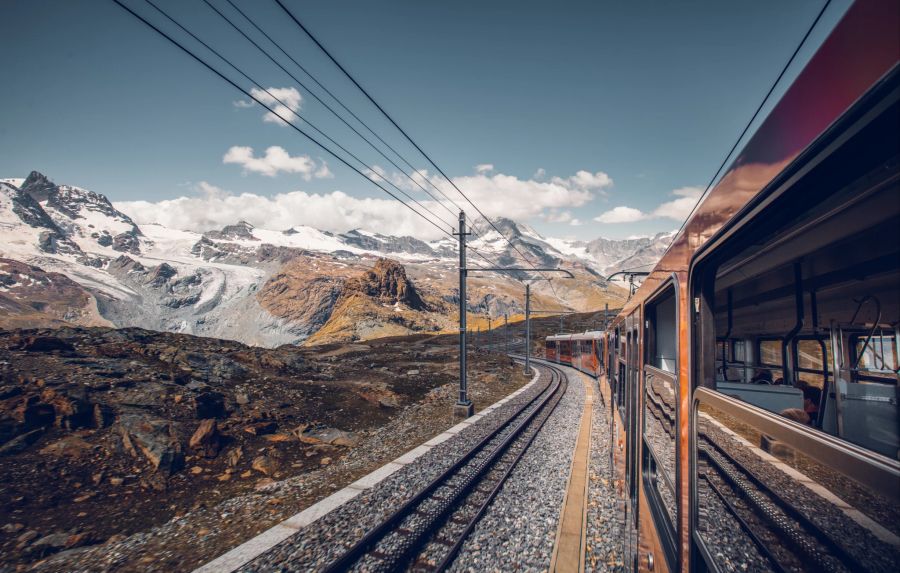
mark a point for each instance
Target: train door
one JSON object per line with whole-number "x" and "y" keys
{"x": 632, "y": 417}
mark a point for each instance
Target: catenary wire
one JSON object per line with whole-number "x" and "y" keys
{"x": 312, "y": 125}
{"x": 752, "y": 119}
{"x": 231, "y": 82}
{"x": 312, "y": 93}
{"x": 400, "y": 129}
{"x": 339, "y": 102}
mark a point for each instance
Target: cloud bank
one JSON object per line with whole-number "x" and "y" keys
{"x": 677, "y": 209}
{"x": 496, "y": 195}
{"x": 275, "y": 161}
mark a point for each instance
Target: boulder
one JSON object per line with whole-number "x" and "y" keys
{"x": 157, "y": 440}
{"x": 266, "y": 465}
{"x": 50, "y": 543}
{"x": 261, "y": 428}
{"x": 70, "y": 447}
{"x": 325, "y": 435}
{"x": 234, "y": 456}
{"x": 206, "y": 439}
{"x": 209, "y": 405}
{"x": 20, "y": 443}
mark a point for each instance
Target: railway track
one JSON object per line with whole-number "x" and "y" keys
{"x": 427, "y": 531}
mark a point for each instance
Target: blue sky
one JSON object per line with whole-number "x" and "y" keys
{"x": 643, "y": 98}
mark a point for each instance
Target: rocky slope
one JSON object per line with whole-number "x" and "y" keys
{"x": 269, "y": 287}
{"x": 107, "y": 433}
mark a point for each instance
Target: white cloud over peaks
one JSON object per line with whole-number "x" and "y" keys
{"x": 677, "y": 209}
{"x": 283, "y": 101}
{"x": 484, "y": 168}
{"x": 276, "y": 160}
{"x": 212, "y": 208}
{"x": 621, "y": 214}
{"x": 586, "y": 180}
{"x": 496, "y": 195}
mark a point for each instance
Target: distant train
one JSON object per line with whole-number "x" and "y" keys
{"x": 752, "y": 380}
{"x": 583, "y": 351}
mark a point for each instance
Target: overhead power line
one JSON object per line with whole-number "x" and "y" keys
{"x": 312, "y": 93}
{"x": 300, "y": 117}
{"x": 400, "y": 129}
{"x": 752, "y": 118}
{"x": 270, "y": 109}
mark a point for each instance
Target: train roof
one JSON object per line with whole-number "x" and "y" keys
{"x": 858, "y": 52}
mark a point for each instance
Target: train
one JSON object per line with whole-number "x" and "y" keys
{"x": 752, "y": 380}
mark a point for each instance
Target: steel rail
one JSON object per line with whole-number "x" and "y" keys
{"x": 367, "y": 544}
{"x": 454, "y": 550}
{"x": 825, "y": 540}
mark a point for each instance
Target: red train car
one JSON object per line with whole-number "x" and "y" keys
{"x": 752, "y": 381}
{"x": 585, "y": 351}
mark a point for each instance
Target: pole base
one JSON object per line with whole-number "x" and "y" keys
{"x": 463, "y": 410}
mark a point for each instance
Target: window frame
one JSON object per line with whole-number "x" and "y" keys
{"x": 669, "y": 533}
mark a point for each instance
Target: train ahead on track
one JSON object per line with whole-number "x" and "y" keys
{"x": 752, "y": 379}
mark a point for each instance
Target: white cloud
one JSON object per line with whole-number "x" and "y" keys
{"x": 586, "y": 180}
{"x": 540, "y": 173}
{"x": 496, "y": 195}
{"x": 621, "y": 214}
{"x": 276, "y": 160}
{"x": 290, "y": 101}
{"x": 484, "y": 168}
{"x": 576, "y": 222}
{"x": 213, "y": 208}
{"x": 559, "y": 217}
{"x": 677, "y": 209}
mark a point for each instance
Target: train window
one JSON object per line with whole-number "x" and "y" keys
{"x": 876, "y": 358}
{"x": 798, "y": 470}
{"x": 660, "y": 443}
{"x": 738, "y": 351}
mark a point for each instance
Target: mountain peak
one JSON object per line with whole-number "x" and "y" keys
{"x": 240, "y": 230}
{"x": 38, "y": 186}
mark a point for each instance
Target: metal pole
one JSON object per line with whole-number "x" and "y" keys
{"x": 490, "y": 333}
{"x": 463, "y": 406}
{"x": 560, "y": 323}
{"x": 506, "y": 330}
{"x": 527, "y": 329}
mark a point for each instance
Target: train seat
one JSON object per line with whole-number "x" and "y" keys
{"x": 772, "y": 398}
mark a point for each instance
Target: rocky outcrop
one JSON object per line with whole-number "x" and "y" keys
{"x": 241, "y": 230}
{"x": 386, "y": 282}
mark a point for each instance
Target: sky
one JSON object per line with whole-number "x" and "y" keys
{"x": 582, "y": 119}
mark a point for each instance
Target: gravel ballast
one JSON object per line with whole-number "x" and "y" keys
{"x": 519, "y": 529}
{"x": 603, "y": 539}
{"x": 323, "y": 540}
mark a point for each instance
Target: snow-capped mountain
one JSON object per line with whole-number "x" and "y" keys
{"x": 266, "y": 286}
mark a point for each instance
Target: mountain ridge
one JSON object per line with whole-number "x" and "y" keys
{"x": 269, "y": 287}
